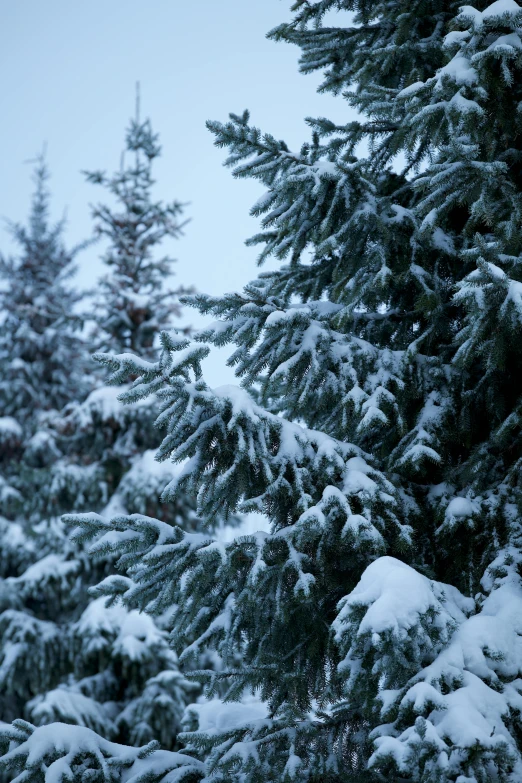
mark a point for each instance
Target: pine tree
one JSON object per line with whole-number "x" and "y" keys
{"x": 42, "y": 357}
{"x": 110, "y": 447}
{"x": 133, "y": 303}
{"x": 377, "y": 426}
{"x": 43, "y": 365}
{"x": 63, "y": 655}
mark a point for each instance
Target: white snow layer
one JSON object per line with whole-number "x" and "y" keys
{"x": 215, "y": 716}
{"x": 471, "y": 682}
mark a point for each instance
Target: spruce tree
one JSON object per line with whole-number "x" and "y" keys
{"x": 42, "y": 357}
{"x": 377, "y": 426}
{"x": 133, "y": 303}
{"x": 43, "y": 366}
{"x": 109, "y": 447}
{"x": 64, "y": 655}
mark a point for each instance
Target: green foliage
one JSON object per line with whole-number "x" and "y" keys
{"x": 376, "y": 426}
{"x": 133, "y": 304}
{"x": 42, "y": 355}
{"x": 62, "y": 753}
{"x": 64, "y": 656}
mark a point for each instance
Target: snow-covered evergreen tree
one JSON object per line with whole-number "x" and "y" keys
{"x": 112, "y": 444}
{"x": 42, "y": 356}
{"x": 43, "y": 366}
{"x": 63, "y": 655}
{"x": 377, "y": 427}
{"x": 133, "y": 303}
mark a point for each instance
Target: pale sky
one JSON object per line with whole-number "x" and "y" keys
{"x": 67, "y": 76}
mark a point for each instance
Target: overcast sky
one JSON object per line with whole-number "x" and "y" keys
{"x": 67, "y": 76}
